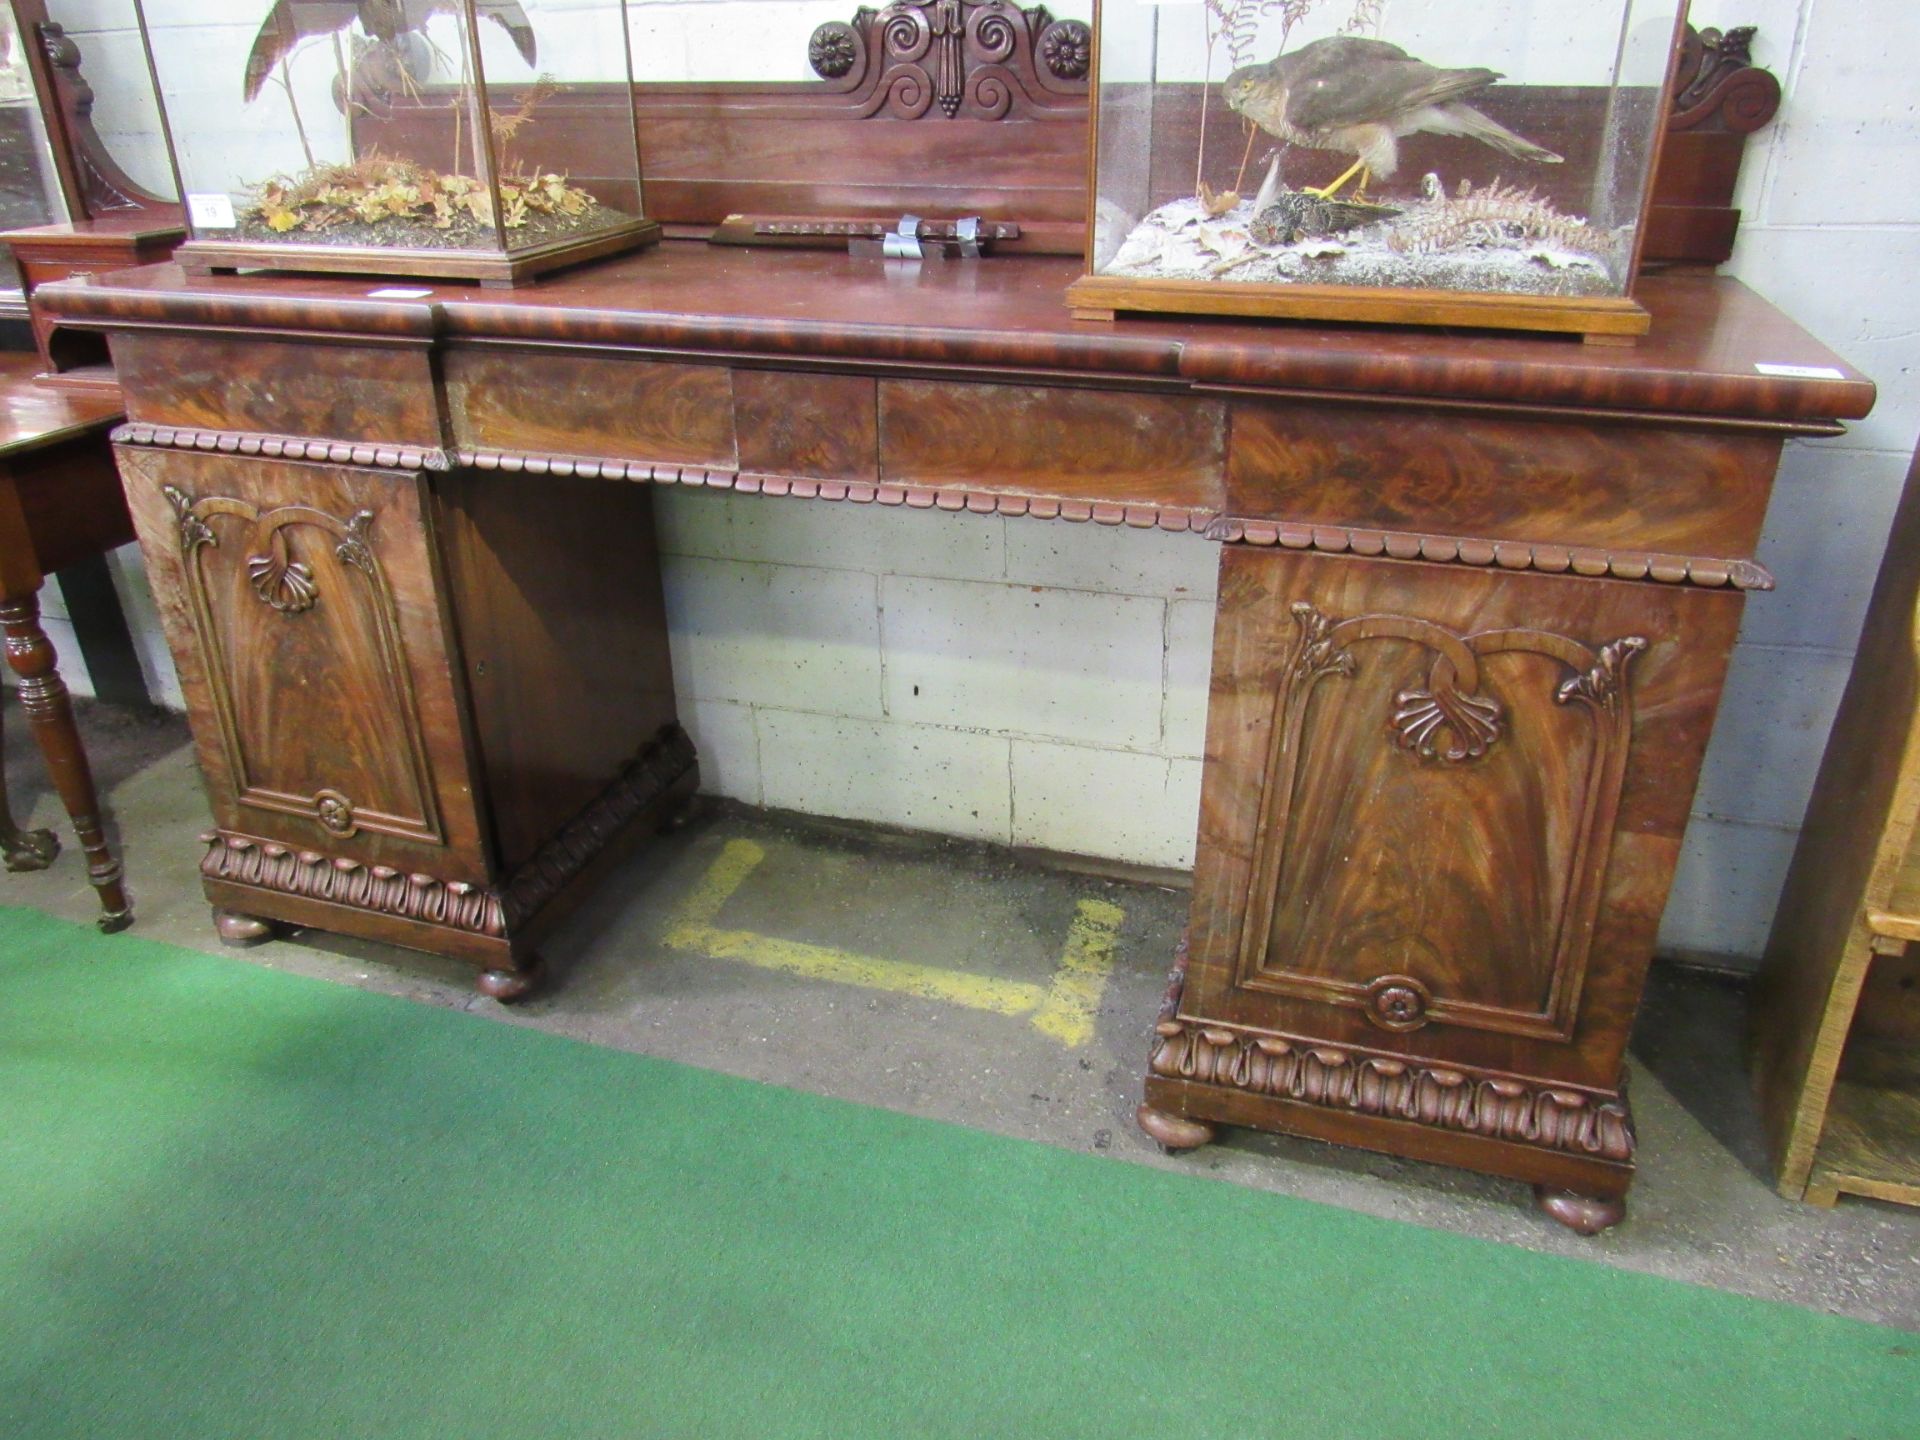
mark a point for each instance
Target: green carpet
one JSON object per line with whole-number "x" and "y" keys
{"x": 239, "y": 1203}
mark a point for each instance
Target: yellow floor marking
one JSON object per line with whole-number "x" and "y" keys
{"x": 1067, "y": 1012}
{"x": 1063, "y": 1009}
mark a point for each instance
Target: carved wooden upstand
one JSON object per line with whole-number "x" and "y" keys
{"x": 1477, "y": 597}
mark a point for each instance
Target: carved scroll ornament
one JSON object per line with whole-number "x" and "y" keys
{"x": 1717, "y": 81}
{"x": 962, "y": 59}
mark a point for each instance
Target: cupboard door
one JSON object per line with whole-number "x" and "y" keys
{"x": 301, "y": 604}
{"x": 1442, "y": 805}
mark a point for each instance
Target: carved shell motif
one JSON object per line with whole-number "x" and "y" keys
{"x": 285, "y": 585}
{"x": 1446, "y": 723}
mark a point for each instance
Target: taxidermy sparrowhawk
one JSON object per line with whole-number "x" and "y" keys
{"x": 291, "y": 21}
{"x": 1360, "y": 96}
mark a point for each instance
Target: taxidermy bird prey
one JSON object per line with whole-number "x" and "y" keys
{"x": 1360, "y": 96}
{"x": 291, "y": 21}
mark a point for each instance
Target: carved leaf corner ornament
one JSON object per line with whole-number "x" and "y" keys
{"x": 1600, "y": 685}
{"x": 1315, "y": 653}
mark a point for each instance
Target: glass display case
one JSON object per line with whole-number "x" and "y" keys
{"x": 468, "y": 139}
{"x": 30, "y": 188}
{"x": 1402, "y": 161}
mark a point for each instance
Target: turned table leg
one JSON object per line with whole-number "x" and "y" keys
{"x": 23, "y": 849}
{"x": 43, "y": 695}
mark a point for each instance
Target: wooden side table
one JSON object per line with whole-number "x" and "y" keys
{"x": 1836, "y": 1023}
{"x": 60, "y": 501}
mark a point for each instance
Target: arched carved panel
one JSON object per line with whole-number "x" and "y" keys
{"x": 1435, "y": 820}
{"x": 301, "y": 594}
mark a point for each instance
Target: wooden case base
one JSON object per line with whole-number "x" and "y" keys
{"x": 208, "y": 257}
{"x": 1601, "y": 319}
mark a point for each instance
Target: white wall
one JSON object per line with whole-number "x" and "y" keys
{"x": 1831, "y": 235}
{"x": 1043, "y": 683}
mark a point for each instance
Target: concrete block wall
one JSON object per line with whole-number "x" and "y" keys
{"x": 1021, "y": 681}
{"x": 1044, "y": 684}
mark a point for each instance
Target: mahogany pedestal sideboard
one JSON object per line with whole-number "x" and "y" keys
{"x": 1477, "y": 599}
{"x": 60, "y": 502}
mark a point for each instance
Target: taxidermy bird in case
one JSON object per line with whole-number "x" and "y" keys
{"x": 1469, "y": 194}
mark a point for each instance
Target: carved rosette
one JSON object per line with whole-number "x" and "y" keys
{"x": 1497, "y": 1107}
{"x": 334, "y": 811}
{"x": 1066, "y": 49}
{"x": 833, "y": 49}
{"x": 1398, "y": 1002}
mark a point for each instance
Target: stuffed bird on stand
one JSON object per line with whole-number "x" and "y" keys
{"x": 1360, "y": 97}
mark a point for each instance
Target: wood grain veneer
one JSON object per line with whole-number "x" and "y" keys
{"x": 282, "y": 387}
{"x": 1580, "y": 484}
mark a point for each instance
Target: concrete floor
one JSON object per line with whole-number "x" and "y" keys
{"x": 986, "y": 929}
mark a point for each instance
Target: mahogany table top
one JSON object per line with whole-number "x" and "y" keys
{"x": 1007, "y": 315}
{"x": 32, "y": 415}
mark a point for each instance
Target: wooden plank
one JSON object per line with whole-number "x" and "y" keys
{"x": 1848, "y": 863}
{"x": 1871, "y": 1144}
{"x": 555, "y": 588}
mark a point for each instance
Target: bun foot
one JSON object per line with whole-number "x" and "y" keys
{"x": 1582, "y": 1214}
{"x": 1172, "y": 1133}
{"x": 678, "y": 817}
{"x": 235, "y": 929}
{"x": 506, "y": 986}
{"x": 29, "y": 849}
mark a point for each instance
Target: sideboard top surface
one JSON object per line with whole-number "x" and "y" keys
{"x": 1008, "y": 314}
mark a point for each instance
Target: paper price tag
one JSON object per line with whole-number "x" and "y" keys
{"x": 1801, "y": 372}
{"x": 398, "y": 292}
{"x": 211, "y": 212}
